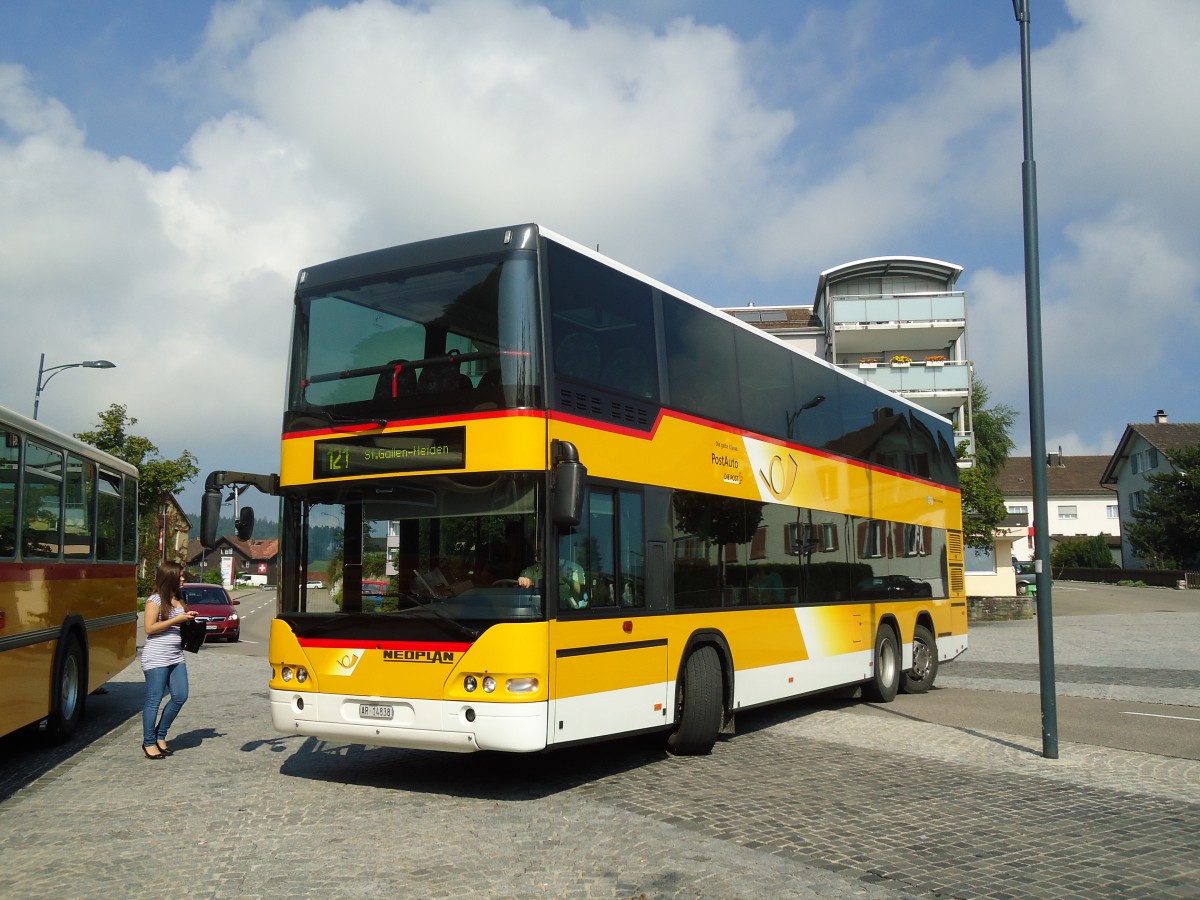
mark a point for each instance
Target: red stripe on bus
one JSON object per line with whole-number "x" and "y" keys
{"x": 336, "y": 644}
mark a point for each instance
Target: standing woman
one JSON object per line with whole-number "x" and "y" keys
{"x": 162, "y": 659}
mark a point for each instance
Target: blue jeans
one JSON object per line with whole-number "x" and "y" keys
{"x": 164, "y": 679}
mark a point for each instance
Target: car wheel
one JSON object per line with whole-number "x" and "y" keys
{"x": 920, "y": 677}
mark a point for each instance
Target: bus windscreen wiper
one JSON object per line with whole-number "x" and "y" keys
{"x": 377, "y": 421}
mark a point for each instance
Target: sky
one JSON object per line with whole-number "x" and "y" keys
{"x": 167, "y": 169}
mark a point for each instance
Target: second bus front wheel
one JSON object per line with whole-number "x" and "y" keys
{"x": 885, "y": 680}
{"x": 698, "y": 705}
{"x": 70, "y": 690}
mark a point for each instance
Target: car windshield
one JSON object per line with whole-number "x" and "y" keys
{"x": 210, "y": 596}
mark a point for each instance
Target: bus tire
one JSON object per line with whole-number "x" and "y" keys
{"x": 885, "y": 682}
{"x": 698, "y": 705}
{"x": 920, "y": 677}
{"x": 69, "y": 690}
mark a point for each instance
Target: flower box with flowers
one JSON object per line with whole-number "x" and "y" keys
{"x": 867, "y": 363}
{"x": 935, "y": 360}
{"x": 900, "y": 361}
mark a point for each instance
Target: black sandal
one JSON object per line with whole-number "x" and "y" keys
{"x": 166, "y": 751}
{"x": 159, "y": 755}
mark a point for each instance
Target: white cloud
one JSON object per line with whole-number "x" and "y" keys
{"x": 345, "y": 129}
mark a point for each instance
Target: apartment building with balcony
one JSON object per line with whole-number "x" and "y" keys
{"x": 895, "y": 321}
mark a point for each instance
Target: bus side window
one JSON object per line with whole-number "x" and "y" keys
{"x": 10, "y": 460}
{"x": 42, "y": 499}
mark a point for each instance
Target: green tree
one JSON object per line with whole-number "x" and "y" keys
{"x": 158, "y": 478}
{"x": 1165, "y": 530}
{"x": 1084, "y": 553}
{"x": 983, "y": 503}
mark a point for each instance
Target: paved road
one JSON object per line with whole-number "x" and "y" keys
{"x": 812, "y": 799}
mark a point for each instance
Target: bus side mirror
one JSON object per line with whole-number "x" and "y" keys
{"x": 210, "y": 514}
{"x": 569, "y": 475}
{"x": 244, "y": 526}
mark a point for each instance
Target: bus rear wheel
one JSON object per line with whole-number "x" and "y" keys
{"x": 698, "y": 705}
{"x": 885, "y": 682}
{"x": 69, "y": 691}
{"x": 920, "y": 677}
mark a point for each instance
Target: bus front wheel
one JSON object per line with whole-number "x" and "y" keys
{"x": 698, "y": 706}
{"x": 920, "y": 677}
{"x": 885, "y": 682}
{"x": 69, "y": 691}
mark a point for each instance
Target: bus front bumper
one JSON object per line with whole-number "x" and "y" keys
{"x": 449, "y": 725}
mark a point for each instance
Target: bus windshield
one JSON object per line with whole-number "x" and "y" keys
{"x": 455, "y": 337}
{"x": 452, "y": 547}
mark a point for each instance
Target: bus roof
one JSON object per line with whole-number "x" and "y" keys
{"x": 36, "y": 429}
{"x": 525, "y": 236}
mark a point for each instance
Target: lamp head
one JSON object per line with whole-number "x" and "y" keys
{"x": 98, "y": 364}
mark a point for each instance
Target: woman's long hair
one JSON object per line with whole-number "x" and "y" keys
{"x": 166, "y": 585}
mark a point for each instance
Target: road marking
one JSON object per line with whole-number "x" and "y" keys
{"x": 1160, "y": 716}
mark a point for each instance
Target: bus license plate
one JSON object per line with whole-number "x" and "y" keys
{"x": 374, "y": 711}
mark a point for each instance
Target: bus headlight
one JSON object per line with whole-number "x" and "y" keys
{"x": 287, "y": 673}
{"x": 521, "y": 685}
{"x": 489, "y": 684}
{"x": 469, "y": 683}
{"x": 301, "y": 675}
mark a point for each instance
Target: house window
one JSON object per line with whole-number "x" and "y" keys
{"x": 1152, "y": 458}
{"x": 1018, "y": 509}
{"x": 1068, "y": 512}
{"x": 1135, "y": 500}
{"x": 1135, "y": 463}
{"x": 1111, "y": 511}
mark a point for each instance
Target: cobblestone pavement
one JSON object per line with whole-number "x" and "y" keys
{"x": 807, "y": 800}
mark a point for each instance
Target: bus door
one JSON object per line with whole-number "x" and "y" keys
{"x": 610, "y": 659}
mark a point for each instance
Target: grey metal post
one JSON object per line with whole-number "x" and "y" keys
{"x": 1037, "y": 424}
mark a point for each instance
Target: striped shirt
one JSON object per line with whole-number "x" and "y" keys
{"x": 164, "y": 648}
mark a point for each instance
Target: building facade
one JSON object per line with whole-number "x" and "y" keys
{"x": 1142, "y": 451}
{"x": 1078, "y": 505}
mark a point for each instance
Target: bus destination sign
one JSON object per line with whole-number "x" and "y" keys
{"x": 377, "y": 454}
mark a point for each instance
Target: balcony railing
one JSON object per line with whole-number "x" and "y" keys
{"x": 917, "y": 376}
{"x": 861, "y": 310}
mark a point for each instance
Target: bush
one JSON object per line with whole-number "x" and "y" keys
{"x": 1083, "y": 553}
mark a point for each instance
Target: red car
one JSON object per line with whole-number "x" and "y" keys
{"x": 215, "y": 609}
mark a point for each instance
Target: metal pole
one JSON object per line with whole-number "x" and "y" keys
{"x": 1037, "y": 425}
{"x": 37, "y": 395}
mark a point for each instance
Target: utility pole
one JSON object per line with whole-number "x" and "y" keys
{"x": 1037, "y": 423}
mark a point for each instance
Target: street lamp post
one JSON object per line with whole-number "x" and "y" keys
{"x": 1037, "y": 416}
{"x": 54, "y": 370}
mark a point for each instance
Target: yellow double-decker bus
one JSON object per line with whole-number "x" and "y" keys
{"x": 68, "y": 587}
{"x": 604, "y": 508}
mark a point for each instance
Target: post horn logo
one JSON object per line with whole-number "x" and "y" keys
{"x": 347, "y": 662}
{"x": 780, "y": 476}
